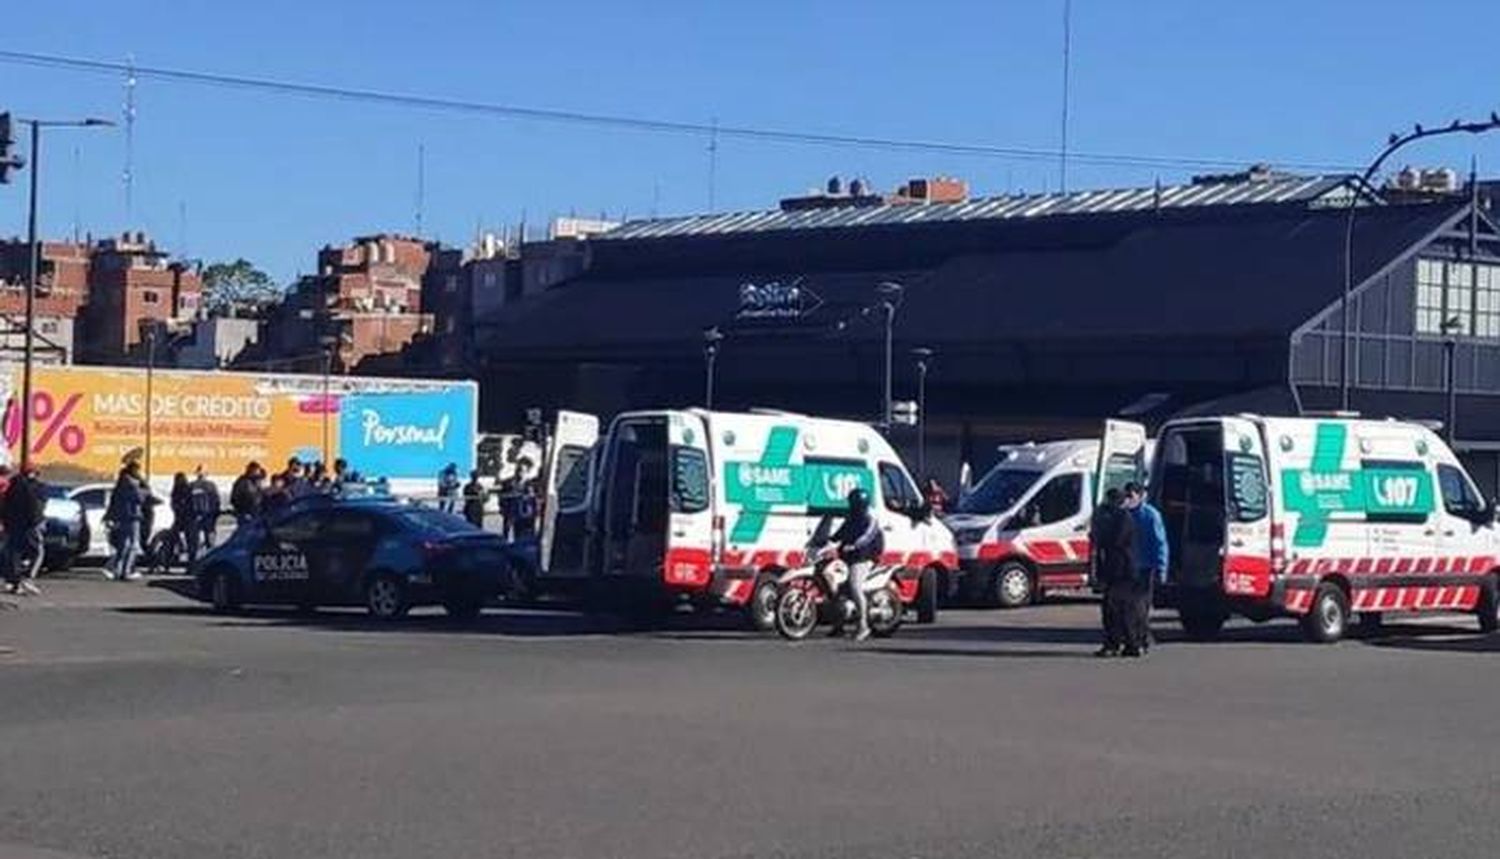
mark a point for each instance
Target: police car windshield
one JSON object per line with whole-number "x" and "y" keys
{"x": 998, "y": 491}
{"x": 434, "y": 521}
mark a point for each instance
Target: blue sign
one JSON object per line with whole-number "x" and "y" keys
{"x": 407, "y": 435}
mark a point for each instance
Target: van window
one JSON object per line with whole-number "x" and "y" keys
{"x": 1060, "y": 499}
{"x": 998, "y": 491}
{"x": 1119, "y": 470}
{"x": 1247, "y": 488}
{"x": 1459, "y": 497}
{"x": 900, "y": 495}
{"x": 689, "y": 480}
{"x": 572, "y": 477}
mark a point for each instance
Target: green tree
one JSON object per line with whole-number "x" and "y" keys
{"x": 237, "y": 288}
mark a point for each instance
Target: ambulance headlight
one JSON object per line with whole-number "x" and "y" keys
{"x": 969, "y": 536}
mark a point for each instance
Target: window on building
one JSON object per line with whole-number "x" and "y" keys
{"x": 1487, "y": 301}
{"x": 150, "y": 296}
{"x": 1466, "y": 294}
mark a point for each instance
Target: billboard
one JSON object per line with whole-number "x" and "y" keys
{"x": 85, "y": 419}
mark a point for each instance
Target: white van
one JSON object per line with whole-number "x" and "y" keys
{"x": 709, "y": 507}
{"x": 1023, "y": 530}
{"x": 1315, "y": 518}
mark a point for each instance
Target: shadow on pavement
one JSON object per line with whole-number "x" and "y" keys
{"x": 506, "y": 621}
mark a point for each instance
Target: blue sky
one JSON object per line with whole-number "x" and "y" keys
{"x": 273, "y": 177}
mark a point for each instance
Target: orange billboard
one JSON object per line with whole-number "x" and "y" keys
{"x": 84, "y": 420}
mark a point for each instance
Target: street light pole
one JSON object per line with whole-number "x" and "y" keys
{"x": 923, "y": 355}
{"x": 33, "y": 267}
{"x": 33, "y": 273}
{"x": 1393, "y": 143}
{"x": 712, "y": 337}
{"x": 1451, "y": 327}
{"x": 890, "y": 293}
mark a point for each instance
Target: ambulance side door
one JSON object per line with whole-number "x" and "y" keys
{"x": 1466, "y": 522}
{"x": 901, "y": 506}
{"x": 1055, "y": 527}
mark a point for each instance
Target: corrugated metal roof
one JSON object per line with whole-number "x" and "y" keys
{"x": 1277, "y": 189}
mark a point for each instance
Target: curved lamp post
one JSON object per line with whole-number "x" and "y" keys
{"x": 1394, "y": 143}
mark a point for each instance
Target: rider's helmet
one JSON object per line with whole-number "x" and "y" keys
{"x": 859, "y": 502}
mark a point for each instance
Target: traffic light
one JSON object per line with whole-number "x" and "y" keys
{"x": 8, "y": 161}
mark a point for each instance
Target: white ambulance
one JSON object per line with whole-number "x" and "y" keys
{"x": 709, "y": 507}
{"x": 1314, "y": 518}
{"x": 1023, "y": 530}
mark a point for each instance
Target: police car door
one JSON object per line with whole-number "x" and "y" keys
{"x": 690, "y": 527}
{"x": 280, "y": 570}
{"x": 569, "y": 476}
{"x": 341, "y": 553}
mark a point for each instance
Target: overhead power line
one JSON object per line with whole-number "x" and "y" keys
{"x": 711, "y": 131}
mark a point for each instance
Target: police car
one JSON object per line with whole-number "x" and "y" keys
{"x": 378, "y": 552}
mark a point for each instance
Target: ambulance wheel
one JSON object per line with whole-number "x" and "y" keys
{"x": 385, "y": 597}
{"x": 929, "y": 594}
{"x": 1013, "y": 585}
{"x": 1488, "y": 607}
{"x": 885, "y": 612}
{"x": 1328, "y": 618}
{"x": 763, "y": 603}
{"x": 1201, "y": 619}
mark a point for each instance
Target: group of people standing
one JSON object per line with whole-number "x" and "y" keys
{"x": 255, "y": 492}
{"x": 1129, "y": 542}
{"x": 517, "y": 501}
{"x": 131, "y": 518}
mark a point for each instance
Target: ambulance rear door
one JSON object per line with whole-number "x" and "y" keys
{"x": 1122, "y": 457}
{"x": 1246, "y": 569}
{"x": 570, "y": 478}
{"x": 689, "y": 552}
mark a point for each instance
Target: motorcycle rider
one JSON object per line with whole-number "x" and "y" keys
{"x": 860, "y": 542}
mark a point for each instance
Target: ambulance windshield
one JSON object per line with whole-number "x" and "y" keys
{"x": 998, "y": 491}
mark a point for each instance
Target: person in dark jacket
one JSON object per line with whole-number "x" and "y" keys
{"x": 1112, "y": 538}
{"x": 474, "y": 494}
{"x": 181, "y": 501}
{"x": 448, "y": 487}
{"x": 861, "y": 543}
{"x": 25, "y": 517}
{"x": 126, "y": 511}
{"x": 245, "y": 494}
{"x": 204, "y": 503}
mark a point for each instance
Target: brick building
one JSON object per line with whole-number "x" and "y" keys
{"x": 131, "y": 284}
{"x": 364, "y": 301}
{"x": 61, "y": 292}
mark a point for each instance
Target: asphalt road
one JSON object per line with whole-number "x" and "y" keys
{"x": 132, "y": 724}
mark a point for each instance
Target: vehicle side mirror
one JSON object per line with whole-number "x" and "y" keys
{"x": 919, "y": 510}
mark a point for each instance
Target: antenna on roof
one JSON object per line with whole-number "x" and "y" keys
{"x": 1067, "y": 52}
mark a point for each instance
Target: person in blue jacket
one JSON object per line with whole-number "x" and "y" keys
{"x": 1151, "y": 558}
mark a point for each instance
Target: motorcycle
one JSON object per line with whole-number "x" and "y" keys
{"x": 819, "y": 593}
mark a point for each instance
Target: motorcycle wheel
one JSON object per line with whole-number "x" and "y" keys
{"x": 796, "y": 614}
{"x": 885, "y": 612}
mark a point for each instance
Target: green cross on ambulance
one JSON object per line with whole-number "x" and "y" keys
{"x": 1321, "y": 519}
{"x": 709, "y": 507}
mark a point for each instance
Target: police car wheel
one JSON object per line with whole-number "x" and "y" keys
{"x": 1013, "y": 585}
{"x": 385, "y": 597}
{"x": 1328, "y": 618}
{"x": 763, "y": 603}
{"x": 463, "y": 607}
{"x": 223, "y": 593}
